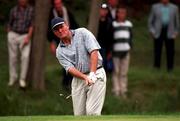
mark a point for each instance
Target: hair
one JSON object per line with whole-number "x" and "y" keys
{"x": 121, "y": 7}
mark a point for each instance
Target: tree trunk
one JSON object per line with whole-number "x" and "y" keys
{"x": 94, "y": 16}
{"x": 37, "y": 60}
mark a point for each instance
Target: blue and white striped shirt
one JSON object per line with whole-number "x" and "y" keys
{"x": 122, "y": 37}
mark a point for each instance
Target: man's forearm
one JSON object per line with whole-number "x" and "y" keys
{"x": 80, "y": 75}
{"x": 8, "y": 29}
{"x": 93, "y": 60}
{"x": 76, "y": 73}
{"x": 30, "y": 32}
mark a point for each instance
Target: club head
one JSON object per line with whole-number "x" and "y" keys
{"x": 68, "y": 97}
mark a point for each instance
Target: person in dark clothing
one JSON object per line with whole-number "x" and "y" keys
{"x": 104, "y": 36}
{"x": 164, "y": 27}
{"x": 112, "y": 5}
{"x": 59, "y": 10}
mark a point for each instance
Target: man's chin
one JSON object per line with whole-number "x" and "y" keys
{"x": 63, "y": 37}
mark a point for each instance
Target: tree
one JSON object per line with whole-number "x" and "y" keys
{"x": 37, "y": 60}
{"x": 94, "y": 16}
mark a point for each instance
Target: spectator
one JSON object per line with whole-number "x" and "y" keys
{"x": 104, "y": 36}
{"x": 59, "y": 10}
{"x": 164, "y": 27}
{"x": 112, "y": 8}
{"x": 20, "y": 29}
{"x": 121, "y": 47}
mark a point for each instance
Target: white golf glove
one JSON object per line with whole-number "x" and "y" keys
{"x": 93, "y": 77}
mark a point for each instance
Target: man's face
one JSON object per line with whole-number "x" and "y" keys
{"x": 103, "y": 12}
{"x": 61, "y": 31}
{"x": 22, "y": 3}
{"x": 165, "y": 1}
{"x": 113, "y": 3}
{"x": 121, "y": 13}
{"x": 58, "y": 5}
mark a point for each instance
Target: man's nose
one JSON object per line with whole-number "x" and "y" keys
{"x": 60, "y": 30}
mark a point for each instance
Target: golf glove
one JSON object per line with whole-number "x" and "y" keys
{"x": 92, "y": 76}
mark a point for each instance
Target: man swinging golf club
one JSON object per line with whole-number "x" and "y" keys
{"x": 78, "y": 53}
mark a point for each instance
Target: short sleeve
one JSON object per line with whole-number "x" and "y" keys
{"x": 63, "y": 60}
{"x": 32, "y": 15}
{"x": 90, "y": 41}
{"x": 10, "y": 21}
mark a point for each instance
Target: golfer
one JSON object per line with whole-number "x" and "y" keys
{"x": 78, "y": 53}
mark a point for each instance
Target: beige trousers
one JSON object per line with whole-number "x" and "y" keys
{"x": 120, "y": 79}
{"x": 89, "y": 100}
{"x": 16, "y": 49}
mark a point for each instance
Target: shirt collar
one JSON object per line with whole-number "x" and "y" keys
{"x": 19, "y": 8}
{"x": 73, "y": 33}
{"x": 165, "y": 5}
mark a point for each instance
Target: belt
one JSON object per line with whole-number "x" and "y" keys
{"x": 20, "y": 32}
{"x": 89, "y": 71}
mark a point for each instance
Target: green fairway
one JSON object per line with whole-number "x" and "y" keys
{"x": 94, "y": 118}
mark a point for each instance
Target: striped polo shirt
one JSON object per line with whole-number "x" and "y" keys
{"x": 122, "y": 37}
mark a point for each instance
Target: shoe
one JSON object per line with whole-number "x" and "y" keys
{"x": 124, "y": 96}
{"x": 22, "y": 83}
{"x": 11, "y": 83}
{"x": 116, "y": 93}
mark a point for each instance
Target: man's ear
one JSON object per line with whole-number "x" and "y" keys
{"x": 55, "y": 33}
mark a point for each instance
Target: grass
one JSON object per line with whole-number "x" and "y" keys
{"x": 94, "y": 118}
{"x": 149, "y": 91}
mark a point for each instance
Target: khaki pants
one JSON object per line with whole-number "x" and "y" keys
{"x": 89, "y": 100}
{"x": 120, "y": 80}
{"x": 15, "y": 45}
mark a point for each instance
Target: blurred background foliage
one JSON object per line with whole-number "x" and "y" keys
{"x": 150, "y": 91}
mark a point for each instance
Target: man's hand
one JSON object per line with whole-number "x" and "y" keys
{"x": 92, "y": 77}
{"x": 88, "y": 81}
{"x": 53, "y": 48}
{"x": 26, "y": 41}
{"x": 175, "y": 35}
{"x": 109, "y": 56}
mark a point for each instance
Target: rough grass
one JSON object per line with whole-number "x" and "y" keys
{"x": 149, "y": 91}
